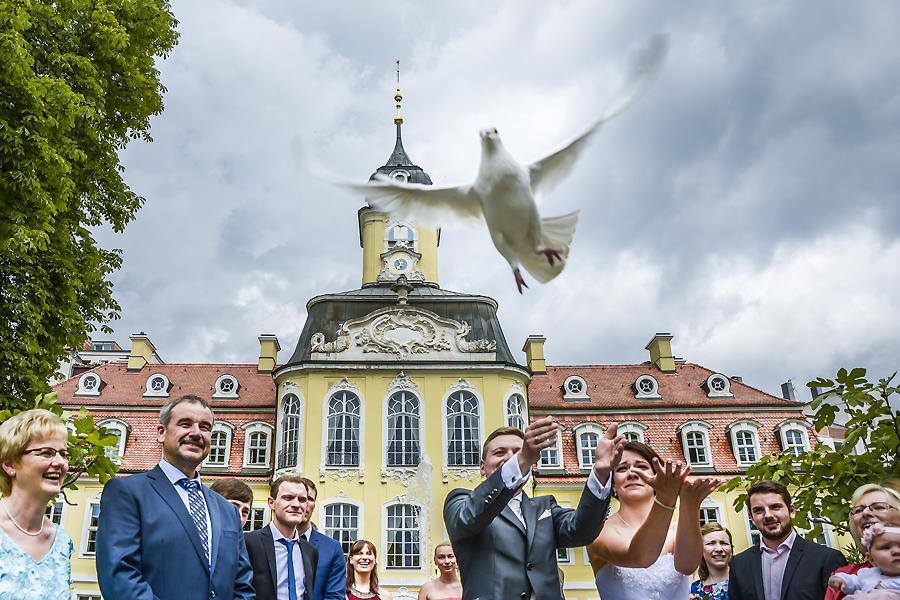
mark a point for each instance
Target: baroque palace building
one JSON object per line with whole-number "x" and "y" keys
{"x": 387, "y": 397}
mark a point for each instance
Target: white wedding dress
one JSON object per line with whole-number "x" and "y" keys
{"x": 660, "y": 581}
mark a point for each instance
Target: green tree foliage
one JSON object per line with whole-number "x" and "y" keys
{"x": 823, "y": 480}
{"x": 87, "y": 444}
{"x": 77, "y": 81}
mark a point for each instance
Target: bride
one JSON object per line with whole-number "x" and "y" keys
{"x": 640, "y": 553}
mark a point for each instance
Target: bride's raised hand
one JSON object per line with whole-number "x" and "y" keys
{"x": 694, "y": 492}
{"x": 667, "y": 480}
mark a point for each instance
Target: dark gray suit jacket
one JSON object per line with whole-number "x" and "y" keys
{"x": 261, "y": 548}
{"x": 805, "y": 575}
{"x": 498, "y": 557}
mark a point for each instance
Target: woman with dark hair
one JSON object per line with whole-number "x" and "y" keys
{"x": 362, "y": 573}
{"x": 640, "y": 553}
{"x": 34, "y": 553}
{"x": 713, "y": 570}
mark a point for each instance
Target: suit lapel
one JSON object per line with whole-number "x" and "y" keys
{"x": 307, "y": 566}
{"x": 166, "y": 490}
{"x": 269, "y": 547}
{"x": 508, "y": 514}
{"x": 529, "y": 512}
{"x": 756, "y": 572}
{"x": 791, "y": 567}
{"x": 215, "y": 523}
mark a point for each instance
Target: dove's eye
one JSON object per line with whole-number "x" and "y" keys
{"x": 495, "y": 130}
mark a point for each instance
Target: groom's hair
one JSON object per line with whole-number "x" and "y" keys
{"x": 497, "y": 433}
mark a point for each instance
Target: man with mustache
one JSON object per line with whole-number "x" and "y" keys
{"x": 284, "y": 563}
{"x": 784, "y": 566}
{"x": 161, "y": 534}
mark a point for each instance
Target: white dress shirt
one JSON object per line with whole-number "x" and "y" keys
{"x": 281, "y": 555}
{"x": 174, "y": 475}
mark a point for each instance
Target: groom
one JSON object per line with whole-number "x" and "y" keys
{"x": 504, "y": 541}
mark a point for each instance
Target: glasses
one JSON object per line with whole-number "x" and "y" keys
{"x": 48, "y": 453}
{"x": 875, "y": 507}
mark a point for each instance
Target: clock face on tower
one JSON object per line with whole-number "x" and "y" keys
{"x": 400, "y": 263}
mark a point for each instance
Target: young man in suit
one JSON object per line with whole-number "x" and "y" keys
{"x": 506, "y": 542}
{"x": 284, "y": 564}
{"x": 237, "y": 493}
{"x": 784, "y": 566}
{"x": 331, "y": 575}
{"x": 161, "y": 534}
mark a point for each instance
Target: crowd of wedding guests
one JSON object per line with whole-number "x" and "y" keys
{"x": 163, "y": 535}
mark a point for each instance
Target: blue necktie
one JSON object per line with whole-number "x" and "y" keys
{"x": 292, "y": 583}
{"x": 198, "y": 514}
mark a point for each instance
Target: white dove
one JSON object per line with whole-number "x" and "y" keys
{"x": 504, "y": 195}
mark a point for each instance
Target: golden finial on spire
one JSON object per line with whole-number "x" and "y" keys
{"x": 398, "y": 97}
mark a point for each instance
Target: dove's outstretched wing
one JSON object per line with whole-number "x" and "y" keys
{"x": 428, "y": 205}
{"x": 548, "y": 172}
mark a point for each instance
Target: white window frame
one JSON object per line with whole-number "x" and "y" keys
{"x": 114, "y": 424}
{"x": 751, "y": 427}
{"x": 344, "y": 386}
{"x": 290, "y": 390}
{"x": 62, "y": 511}
{"x": 461, "y": 385}
{"x": 222, "y": 394}
{"x": 163, "y": 393}
{"x": 403, "y": 501}
{"x": 523, "y": 409}
{"x": 87, "y": 595}
{"x": 360, "y": 514}
{"x": 228, "y": 429}
{"x": 634, "y": 427}
{"x": 85, "y": 388}
{"x": 709, "y": 503}
{"x": 652, "y": 393}
{"x": 386, "y": 432}
{"x": 712, "y": 392}
{"x": 85, "y": 528}
{"x": 704, "y": 429}
{"x": 797, "y": 425}
{"x": 559, "y": 466}
{"x": 390, "y": 225}
{"x": 256, "y": 427}
{"x": 580, "y": 396}
{"x": 267, "y": 518}
{"x": 747, "y": 523}
{"x": 580, "y": 430}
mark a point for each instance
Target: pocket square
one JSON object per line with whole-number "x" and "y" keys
{"x": 545, "y": 515}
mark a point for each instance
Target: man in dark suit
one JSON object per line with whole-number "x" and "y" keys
{"x": 784, "y": 566}
{"x": 331, "y": 575}
{"x": 164, "y": 536}
{"x": 284, "y": 564}
{"x": 506, "y": 542}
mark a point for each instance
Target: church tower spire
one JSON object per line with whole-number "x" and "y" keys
{"x": 392, "y": 247}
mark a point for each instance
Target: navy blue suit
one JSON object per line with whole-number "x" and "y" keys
{"x": 331, "y": 574}
{"x": 148, "y": 546}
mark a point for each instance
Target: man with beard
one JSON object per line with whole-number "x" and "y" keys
{"x": 284, "y": 563}
{"x": 784, "y": 566}
{"x": 163, "y": 535}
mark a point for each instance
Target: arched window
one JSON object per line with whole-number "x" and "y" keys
{"x": 256, "y": 445}
{"x": 695, "y": 441}
{"x": 403, "y": 533}
{"x": 290, "y": 432}
{"x": 342, "y": 524}
{"x": 515, "y": 411}
{"x": 343, "y": 430}
{"x": 462, "y": 429}
{"x": 403, "y": 429}
{"x": 587, "y": 436}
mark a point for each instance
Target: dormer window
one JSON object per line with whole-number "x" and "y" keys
{"x": 695, "y": 442}
{"x": 794, "y": 437}
{"x": 226, "y": 388}
{"x": 575, "y": 389}
{"x": 158, "y": 386}
{"x": 632, "y": 430}
{"x": 118, "y": 428}
{"x": 646, "y": 388}
{"x": 745, "y": 442}
{"x": 89, "y": 384}
{"x": 717, "y": 386}
{"x": 587, "y": 436}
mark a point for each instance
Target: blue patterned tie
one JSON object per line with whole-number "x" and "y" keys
{"x": 292, "y": 583}
{"x": 198, "y": 513}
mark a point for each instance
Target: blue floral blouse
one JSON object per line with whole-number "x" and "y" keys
{"x": 716, "y": 591}
{"x": 23, "y": 578}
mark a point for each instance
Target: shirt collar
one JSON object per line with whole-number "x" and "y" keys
{"x": 787, "y": 543}
{"x": 276, "y": 534}
{"x": 173, "y": 474}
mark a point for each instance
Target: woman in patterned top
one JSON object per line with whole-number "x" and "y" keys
{"x": 713, "y": 571}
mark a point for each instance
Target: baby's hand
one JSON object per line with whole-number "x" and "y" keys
{"x": 837, "y": 583}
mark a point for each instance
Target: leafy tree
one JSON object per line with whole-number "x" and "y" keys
{"x": 823, "y": 480}
{"x": 77, "y": 81}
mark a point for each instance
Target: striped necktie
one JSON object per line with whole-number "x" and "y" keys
{"x": 198, "y": 512}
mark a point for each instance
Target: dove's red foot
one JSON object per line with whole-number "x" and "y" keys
{"x": 519, "y": 281}
{"x": 550, "y": 253}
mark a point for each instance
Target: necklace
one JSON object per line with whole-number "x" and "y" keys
{"x": 626, "y": 523}
{"x": 19, "y": 527}
{"x": 361, "y": 595}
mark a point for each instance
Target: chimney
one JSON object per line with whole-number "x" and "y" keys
{"x": 787, "y": 391}
{"x": 815, "y": 392}
{"x": 268, "y": 352}
{"x": 142, "y": 350}
{"x": 534, "y": 354}
{"x": 660, "y": 348}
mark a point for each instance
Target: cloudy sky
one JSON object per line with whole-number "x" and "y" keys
{"x": 748, "y": 204}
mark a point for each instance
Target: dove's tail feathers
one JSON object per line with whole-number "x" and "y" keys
{"x": 556, "y": 233}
